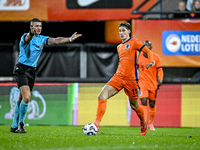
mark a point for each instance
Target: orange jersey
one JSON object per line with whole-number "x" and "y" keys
{"x": 148, "y": 77}
{"x": 128, "y": 51}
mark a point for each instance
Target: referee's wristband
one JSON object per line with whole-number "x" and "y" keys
{"x": 70, "y": 39}
{"x": 31, "y": 34}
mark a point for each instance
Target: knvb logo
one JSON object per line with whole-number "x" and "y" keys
{"x": 181, "y": 42}
{"x": 12, "y": 5}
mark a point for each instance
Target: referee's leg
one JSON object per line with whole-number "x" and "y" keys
{"x": 26, "y": 94}
{"x": 16, "y": 115}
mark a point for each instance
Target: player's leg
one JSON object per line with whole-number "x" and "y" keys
{"x": 16, "y": 115}
{"x": 27, "y": 79}
{"x": 21, "y": 80}
{"x": 143, "y": 98}
{"x": 26, "y": 93}
{"x": 107, "y": 92}
{"x": 152, "y": 108}
{"x": 140, "y": 113}
{"x": 131, "y": 90}
{"x": 144, "y": 106}
{"x": 152, "y": 112}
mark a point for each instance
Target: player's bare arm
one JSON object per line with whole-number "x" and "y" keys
{"x": 62, "y": 40}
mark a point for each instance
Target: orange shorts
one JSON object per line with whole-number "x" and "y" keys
{"x": 145, "y": 93}
{"x": 130, "y": 86}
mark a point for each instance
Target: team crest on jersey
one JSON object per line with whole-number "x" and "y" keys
{"x": 153, "y": 63}
{"x": 41, "y": 46}
{"x": 127, "y": 46}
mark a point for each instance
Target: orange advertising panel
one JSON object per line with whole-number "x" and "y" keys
{"x": 177, "y": 42}
{"x": 168, "y": 108}
{"x": 23, "y": 10}
{"x": 70, "y": 10}
{"x": 94, "y": 9}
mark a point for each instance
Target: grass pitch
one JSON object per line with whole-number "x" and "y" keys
{"x": 109, "y": 138}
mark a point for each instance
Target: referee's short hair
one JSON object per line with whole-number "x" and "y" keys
{"x": 34, "y": 20}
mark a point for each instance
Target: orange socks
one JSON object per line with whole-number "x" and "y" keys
{"x": 145, "y": 111}
{"x": 101, "y": 109}
{"x": 152, "y": 112}
{"x": 140, "y": 113}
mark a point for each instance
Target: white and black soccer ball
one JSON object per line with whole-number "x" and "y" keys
{"x": 90, "y": 129}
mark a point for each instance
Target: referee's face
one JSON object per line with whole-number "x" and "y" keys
{"x": 38, "y": 27}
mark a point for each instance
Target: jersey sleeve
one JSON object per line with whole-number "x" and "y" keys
{"x": 158, "y": 62}
{"x": 23, "y": 38}
{"x": 23, "y": 43}
{"x": 160, "y": 74}
{"x": 141, "y": 47}
{"x": 159, "y": 67}
{"x": 138, "y": 45}
{"x": 149, "y": 54}
{"x": 45, "y": 39}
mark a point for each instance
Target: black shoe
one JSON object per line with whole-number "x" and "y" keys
{"x": 13, "y": 129}
{"x": 20, "y": 128}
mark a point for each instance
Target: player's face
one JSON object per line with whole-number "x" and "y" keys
{"x": 124, "y": 33}
{"x": 38, "y": 27}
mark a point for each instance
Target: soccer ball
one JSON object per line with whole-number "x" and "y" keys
{"x": 90, "y": 129}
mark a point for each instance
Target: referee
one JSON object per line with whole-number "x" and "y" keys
{"x": 31, "y": 46}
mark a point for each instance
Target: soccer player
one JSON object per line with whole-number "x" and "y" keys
{"x": 31, "y": 46}
{"x": 149, "y": 82}
{"x": 125, "y": 76}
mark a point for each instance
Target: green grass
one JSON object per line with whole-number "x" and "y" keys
{"x": 109, "y": 138}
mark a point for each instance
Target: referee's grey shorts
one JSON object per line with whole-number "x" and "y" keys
{"x": 24, "y": 75}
